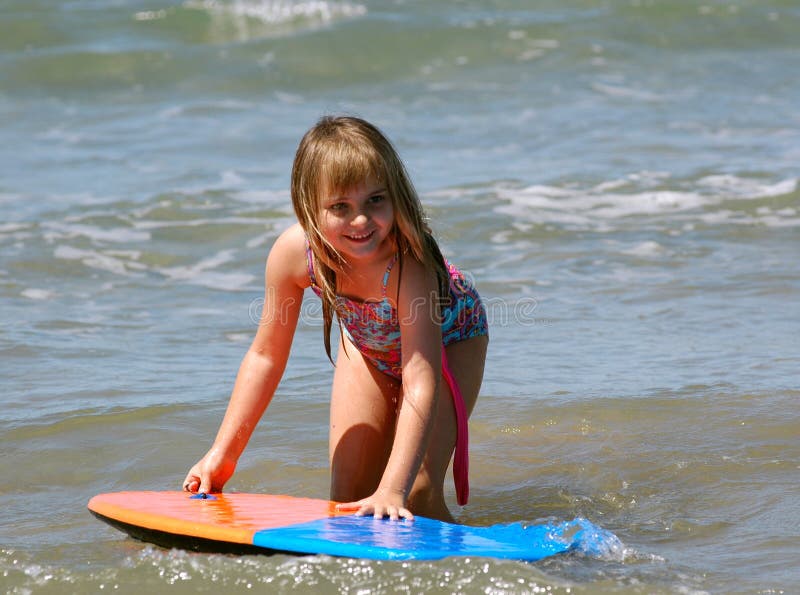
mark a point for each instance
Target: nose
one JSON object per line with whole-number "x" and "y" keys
{"x": 359, "y": 219}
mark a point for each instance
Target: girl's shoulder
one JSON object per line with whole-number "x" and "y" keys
{"x": 288, "y": 255}
{"x": 417, "y": 279}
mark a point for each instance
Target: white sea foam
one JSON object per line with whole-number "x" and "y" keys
{"x": 268, "y": 198}
{"x": 203, "y": 273}
{"x": 605, "y": 206}
{"x": 16, "y": 231}
{"x": 645, "y": 249}
{"x": 218, "y": 280}
{"x": 239, "y": 337}
{"x": 149, "y": 224}
{"x": 738, "y": 187}
{"x": 150, "y": 15}
{"x": 92, "y": 259}
{"x": 281, "y": 11}
{"x": 56, "y": 230}
{"x": 37, "y": 294}
{"x": 628, "y": 93}
{"x": 234, "y": 18}
{"x": 289, "y": 98}
{"x": 260, "y": 240}
{"x": 58, "y": 134}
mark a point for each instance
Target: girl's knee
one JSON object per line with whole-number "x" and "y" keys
{"x": 357, "y": 463}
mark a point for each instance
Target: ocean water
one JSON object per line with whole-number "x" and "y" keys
{"x": 620, "y": 178}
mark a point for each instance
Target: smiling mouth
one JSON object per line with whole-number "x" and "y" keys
{"x": 360, "y": 237}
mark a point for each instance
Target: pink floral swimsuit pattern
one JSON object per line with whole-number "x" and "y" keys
{"x": 374, "y": 329}
{"x": 373, "y": 326}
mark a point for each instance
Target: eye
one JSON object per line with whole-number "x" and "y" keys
{"x": 377, "y": 199}
{"x": 338, "y": 207}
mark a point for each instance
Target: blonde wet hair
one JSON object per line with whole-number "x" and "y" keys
{"x": 335, "y": 155}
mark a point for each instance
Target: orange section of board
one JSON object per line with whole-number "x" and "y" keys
{"x": 225, "y": 517}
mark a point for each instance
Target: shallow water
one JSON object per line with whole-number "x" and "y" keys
{"x": 620, "y": 178}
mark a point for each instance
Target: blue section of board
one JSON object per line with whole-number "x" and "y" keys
{"x": 426, "y": 539}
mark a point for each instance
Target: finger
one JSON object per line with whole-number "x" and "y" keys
{"x": 191, "y": 483}
{"x": 406, "y": 514}
{"x": 205, "y": 486}
{"x": 348, "y": 507}
{"x": 365, "y": 510}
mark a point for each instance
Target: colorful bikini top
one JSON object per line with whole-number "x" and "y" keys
{"x": 372, "y": 326}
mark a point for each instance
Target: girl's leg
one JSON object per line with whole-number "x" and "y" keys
{"x": 363, "y": 417}
{"x": 466, "y": 360}
{"x": 364, "y": 405}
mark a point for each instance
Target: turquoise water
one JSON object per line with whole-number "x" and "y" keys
{"x": 619, "y": 177}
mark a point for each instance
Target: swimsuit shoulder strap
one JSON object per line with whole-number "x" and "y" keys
{"x": 385, "y": 281}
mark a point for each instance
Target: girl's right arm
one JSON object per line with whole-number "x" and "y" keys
{"x": 263, "y": 365}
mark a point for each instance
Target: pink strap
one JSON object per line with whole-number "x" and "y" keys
{"x": 461, "y": 455}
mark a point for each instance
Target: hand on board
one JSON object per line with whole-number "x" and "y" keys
{"x": 210, "y": 473}
{"x": 383, "y": 503}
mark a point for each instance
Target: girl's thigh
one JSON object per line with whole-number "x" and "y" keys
{"x": 466, "y": 361}
{"x": 363, "y": 416}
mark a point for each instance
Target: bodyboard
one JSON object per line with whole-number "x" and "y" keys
{"x": 263, "y": 523}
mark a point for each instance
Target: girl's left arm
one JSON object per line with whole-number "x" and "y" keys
{"x": 421, "y": 339}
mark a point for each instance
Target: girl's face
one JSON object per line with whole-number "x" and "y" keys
{"x": 358, "y": 222}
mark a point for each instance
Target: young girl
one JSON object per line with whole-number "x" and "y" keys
{"x": 413, "y": 332}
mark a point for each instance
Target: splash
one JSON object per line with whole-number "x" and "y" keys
{"x": 583, "y": 536}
